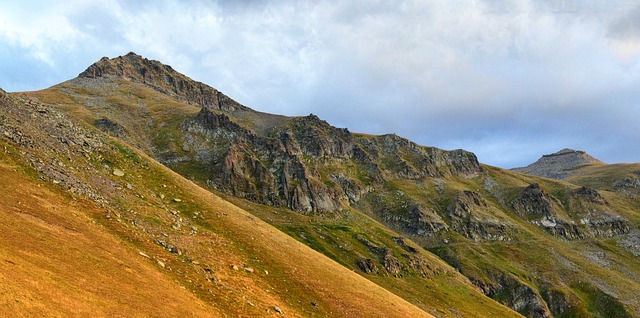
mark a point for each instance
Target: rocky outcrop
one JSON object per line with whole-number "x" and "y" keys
{"x": 405, "y": 215}
{"x": 471, "y": 216}
{"x": 367, "y": 265}
{"x": 110, "y": 127}
{"x": 163, "y": 78}
{"x": 543, "y": 210}
{"x": 596, "y": 214}
{"x": 311, "y": 136}
{"x": 559, "y": 165}
{"x": 423, "y": 221}
{"x": 270, "y": 168}
{"x": 259, "y": 168}
{"x": 533, "y": 202}
{"x": 409, "y": 264}
{"x": 633, "y": 183}
{"x": 591, "y": 213}
{"x": 277, "y": 166}
{"x": 515, "y": 294}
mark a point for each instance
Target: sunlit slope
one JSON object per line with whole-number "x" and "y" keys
{"x": 57, "y": 261}
{"x": 91, "y": 223}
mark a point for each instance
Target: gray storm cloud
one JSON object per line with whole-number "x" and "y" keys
{"x": 509, "y": 80}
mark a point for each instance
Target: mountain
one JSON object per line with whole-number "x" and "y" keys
{"x": 559, "y": 165}
{"x": 93, "y": 227}
{"x": 406, "y": 225}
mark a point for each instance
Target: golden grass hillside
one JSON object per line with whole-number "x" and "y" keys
{"x": 103, "y": 230}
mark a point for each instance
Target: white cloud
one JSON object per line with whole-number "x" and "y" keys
{"x": 481, "y": 75}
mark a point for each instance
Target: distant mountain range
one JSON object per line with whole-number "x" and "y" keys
{"x": 134, "y": 184}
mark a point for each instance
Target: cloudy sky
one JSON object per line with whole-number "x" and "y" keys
{"x": 507, "y": 79}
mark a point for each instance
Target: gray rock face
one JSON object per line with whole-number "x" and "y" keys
{"x": 110, "y": 127}
{"x": 367, "y": 265}
{"x": 276, "y": 166}
{"x": 515, "y": 294}
{"x": 558, "y": 165}
{"x": 541, "y": 209}
{"x": 593, "y": 216}
{"x": 470, "y": 216}
{"x": 595, "y": 213}
{"x": 266, "y": 169}
{"x": 632, "y": 182}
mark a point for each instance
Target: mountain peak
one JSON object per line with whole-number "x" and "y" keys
{"x": 163, "y": 78}
{"x": 558, "y": 165}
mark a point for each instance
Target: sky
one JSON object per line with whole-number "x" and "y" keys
{"x": 509, "y": 80}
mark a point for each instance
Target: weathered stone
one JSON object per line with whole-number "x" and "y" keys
{"x": 367, "y": 265}
{"x": 392, "y": 264}
{"x": 110, "y": 127}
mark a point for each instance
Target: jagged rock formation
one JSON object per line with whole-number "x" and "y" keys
{"x": 274, "y": 161}
{"x": 410, "y": 263}
{"x": 516, "y": 295}
{"x": 277, "y": 165}
{"x": 596, "y": 217}
{"x": 558, "y": 165}
{"x": 596, "y": 213}
{"x": 472, "y": 216}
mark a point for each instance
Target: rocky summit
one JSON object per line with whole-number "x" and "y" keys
{"x": 198, "y": 204}
{"x": 559, "y": 165}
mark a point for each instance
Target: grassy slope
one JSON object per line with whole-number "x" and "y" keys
{"x": 603, "y": 176}
{"x": 593, "y": 269}
{"x": 57, "y": 261}
{"x": 444, "y": 293}
{"x": 73, "y": 252}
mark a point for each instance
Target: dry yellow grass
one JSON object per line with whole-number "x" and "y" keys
{"x": 56, "y": 262}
